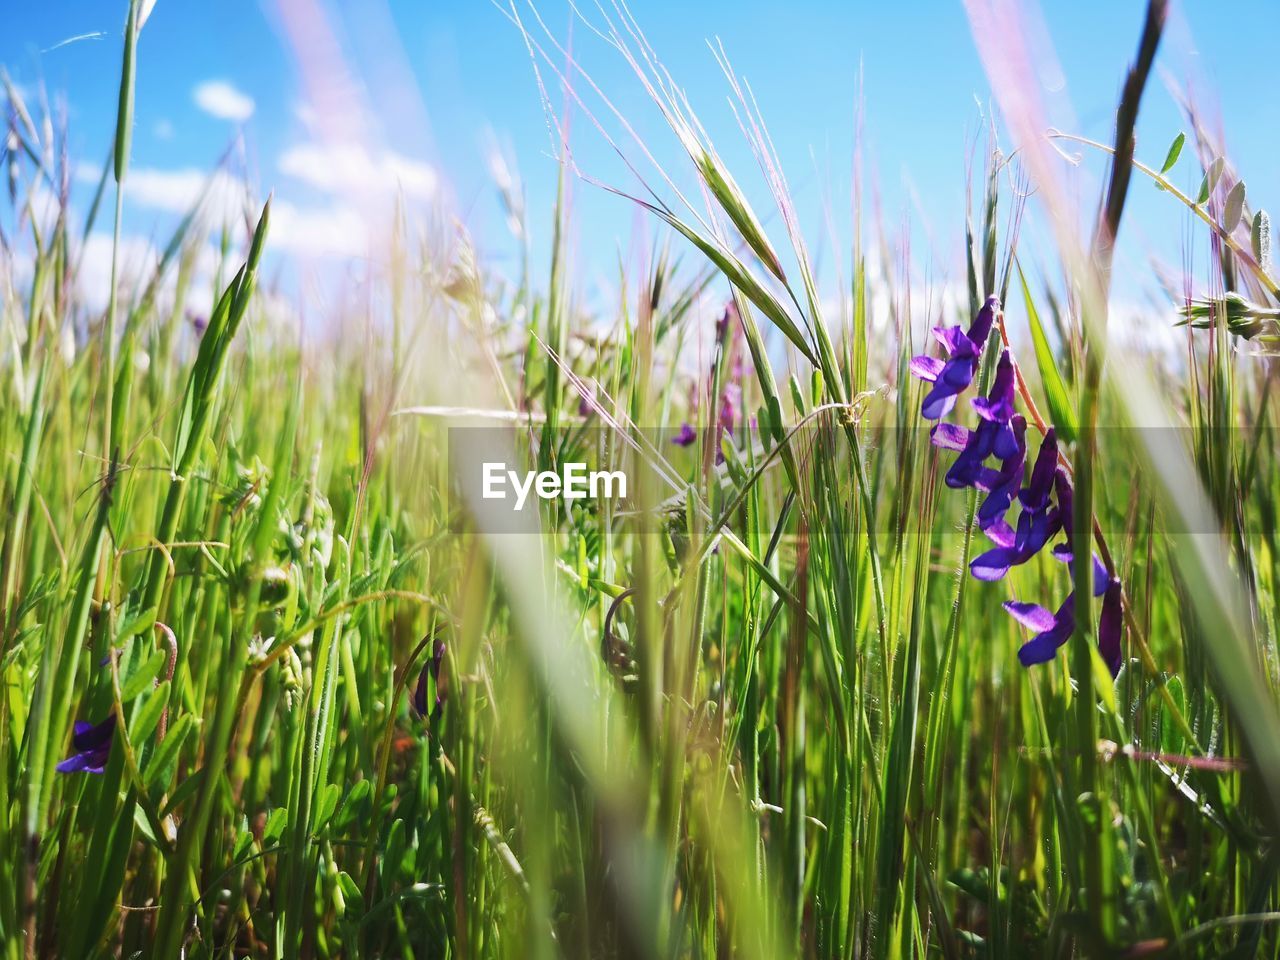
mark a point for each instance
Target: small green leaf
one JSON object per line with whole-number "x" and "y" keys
{"x": 244, "y": 841}
{"x": 353, "y": 805}
{"x": 1211, "y": 177}
{"x": 1234, "y": 208}
{"x": 134, "y": 623}
{"x": 145, "y": 722}
{"x": 163, "y": 759}
{"x": 1175, "y": 151}
{"x": 274, "y": 829}
{"x": 143, "y": 676}
{"x": 1061, "y": 411}
{"x": 328, "y": 802}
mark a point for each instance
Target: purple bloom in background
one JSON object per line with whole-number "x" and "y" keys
{"x": 92, "y": 746}
{"x": 430, "y": 672}
{"x": 685, "y": 436}
{"x": 730, "y": 406}
{"x": 728, "y": 320}
{"x": 1109, "y": 624}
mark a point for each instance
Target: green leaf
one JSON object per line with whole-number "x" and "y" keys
{"x": 244, "y": 841}
{"x": 353, "y": 805}
{"x": 274, "y": 829}
{"x": 328, "y": 803}
{"x": 163, "y": 759}
{"x": 1234, "y": 208}
{"x": 145, "y": 722}
{"x": 1211, "y": 177}
{"x": 143, "y": 676}
{"x": 134, "y": 623}
{"x": 1175, "y": 151}
{"x": 1061, "y": 411}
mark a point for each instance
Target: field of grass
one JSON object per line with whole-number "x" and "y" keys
{"x": 275, "y": 686}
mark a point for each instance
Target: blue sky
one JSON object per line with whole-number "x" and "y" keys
{"x": 433, "y": 82}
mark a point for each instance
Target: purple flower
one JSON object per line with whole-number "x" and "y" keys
{"x": 1037, "y": 523}
{"x": 980, "y": 329}
{"x": 1036, "y": 495}
{"x": 685, "y": 436}
{"x": 997, "y": 406}
{"x": 967, "y": 470}
{"x": 727, "y": 320}
{"x": 1005, "y": 484}
{"x": 730, "y": 406}
{"x": 1109, "y": 624}
{"x": 952, "y": 376}
{"x": 1065, "y": 551}
{"x": 430, "y": 674}
{"x": 92, "y": 746}
{"x": 1055, "y": 629}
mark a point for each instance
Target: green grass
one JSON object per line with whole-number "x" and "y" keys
{"x": 761, "y": 709}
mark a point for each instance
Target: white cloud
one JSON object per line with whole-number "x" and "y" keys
{"x": 336, "y": 231}
{"x": 220, "y": 99}
{"x": 350, "y": 168}
{"x": 138, "y": 258}
{"x": 176, "y": 191}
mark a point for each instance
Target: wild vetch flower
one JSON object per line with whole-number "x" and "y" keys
{"x": 92, "y": 746}
{"x": 1001, "y": 433}
{"x": 952, "y": 376}
{"x": 685, "y": 436}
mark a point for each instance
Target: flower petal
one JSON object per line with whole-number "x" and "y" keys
{"x": 998, "y": 532}
{"x": 1110, "y": 623}
{"x": 993, "y": 564}
{"x": 926, "y": 368}
{"x": 980, "y": 329}
{"x": 949, "y": 436}
{"x": 1031, "y": 615}
{"x": 937, "y": 402}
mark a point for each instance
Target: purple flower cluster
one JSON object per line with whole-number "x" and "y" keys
{"x": 728, "y": 416}
{"x": 1044, "y": 498}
